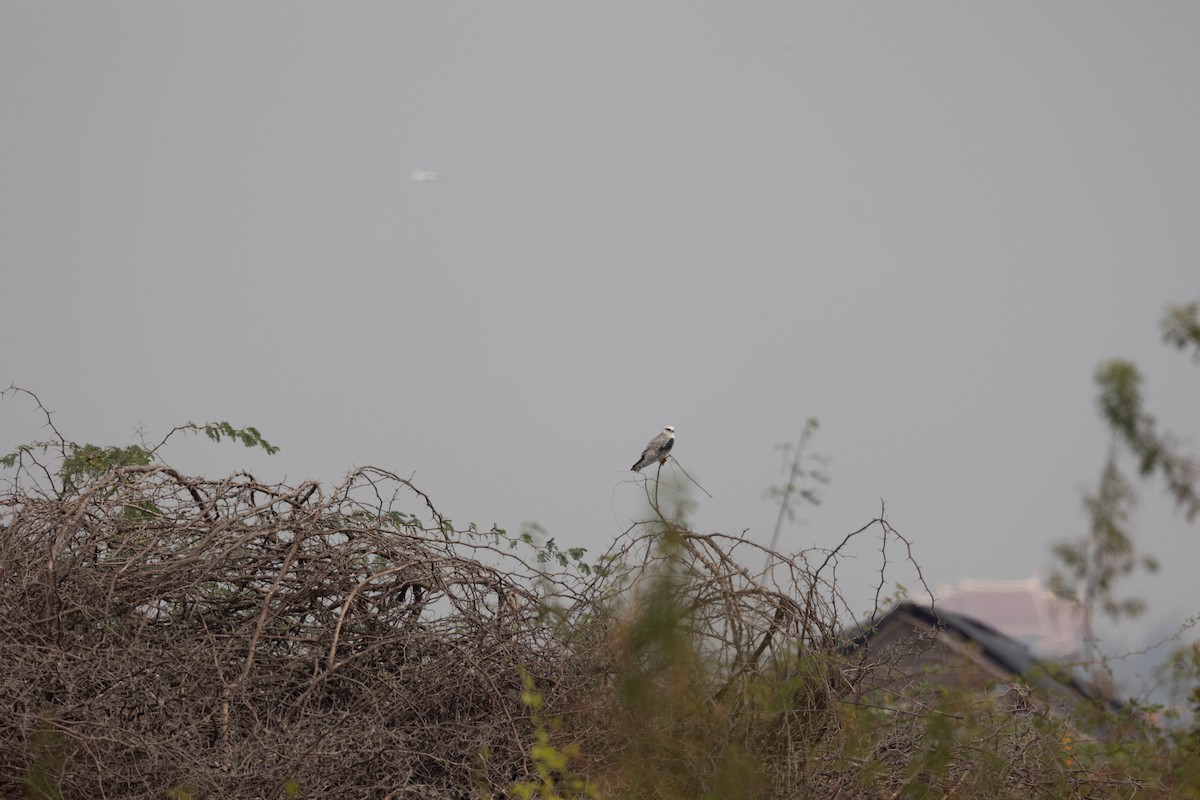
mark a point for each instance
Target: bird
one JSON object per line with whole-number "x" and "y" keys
{"x": 657, "y": 450}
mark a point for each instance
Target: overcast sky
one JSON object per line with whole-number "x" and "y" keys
{"x": 924, "y": 224}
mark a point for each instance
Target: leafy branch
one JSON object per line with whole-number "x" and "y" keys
{"x": 1122, "y": 407}
{"x": 82, "y": 463}
{"x": 1092, "y": 564}
{"x": 1181, "y": 327}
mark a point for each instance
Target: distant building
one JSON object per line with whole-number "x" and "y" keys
{"x": 1023, "y": 609}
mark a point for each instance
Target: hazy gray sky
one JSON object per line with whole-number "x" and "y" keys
{"x": 924, "y": 224}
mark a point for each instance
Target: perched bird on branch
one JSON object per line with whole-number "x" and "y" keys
{"x": 658, "y": 449}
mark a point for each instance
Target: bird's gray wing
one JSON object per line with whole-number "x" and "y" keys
{"x": 646, "y": 459}
{"x": 659, "y": 446}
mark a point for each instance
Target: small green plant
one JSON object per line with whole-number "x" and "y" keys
{"x": 555, "y": 778}
{"x": 42, "y": 777}
{"x": 182, "y": 791}
{"x": 686, "y": 720}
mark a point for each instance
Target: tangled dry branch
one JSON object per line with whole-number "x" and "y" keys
{"x": 234, "y": 637}
{"x": 228, "y": 638}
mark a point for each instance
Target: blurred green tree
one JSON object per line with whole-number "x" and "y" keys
{"x": 1089, "y": 567}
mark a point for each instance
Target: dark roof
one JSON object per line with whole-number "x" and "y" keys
{"x": 1008, "y": 653}
{"x": 1002, "y": 650}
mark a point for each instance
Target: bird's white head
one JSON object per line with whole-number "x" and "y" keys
{"x": 669, "y": 429}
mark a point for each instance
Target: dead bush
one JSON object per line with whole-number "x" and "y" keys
{"x": 170, "y": 636}
{"x": 231, "y": 639}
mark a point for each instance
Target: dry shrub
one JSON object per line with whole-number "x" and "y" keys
{"x": 168, "y": 636}
{"x": 712, "y": 679}
{"x": 231, "y": 639}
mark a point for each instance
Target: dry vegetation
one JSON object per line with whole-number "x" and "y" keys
{"x": 169, "y": 636}
{"x": 234, "y": 639}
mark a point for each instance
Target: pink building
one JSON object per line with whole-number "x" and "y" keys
{"x": 1023, "y": 609}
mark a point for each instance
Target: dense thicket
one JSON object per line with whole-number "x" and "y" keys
{"x": 170, "y": 636}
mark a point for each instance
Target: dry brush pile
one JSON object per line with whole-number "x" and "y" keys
{"x": 228, "y": 639}
{"x": 170, "y": 636}
{"x": 165, "y": 633}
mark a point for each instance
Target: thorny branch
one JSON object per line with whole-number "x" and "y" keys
{"x": 236, "y": 638}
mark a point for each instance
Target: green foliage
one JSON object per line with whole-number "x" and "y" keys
{"x": 1181, "y": 327}
{"x": 546, "y": 550}
{"x": 1093, "y": 564}
{"x": 42, "y": 777}
{"x": 1157, "y": 454}
{"x": 555, "y": 780}
{"x": 1123, "y": 409}
{"x": 1138, "y": 753}
{"x": 1183, "y": 669}
{"x": 10, "y": 460}
{"x": 549, "y": 551}
{"x": 87, "y": 462}
{"x": 81, "y": 464}
{"x": 216, "y": 431}
{"x": 681, "y": 736}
